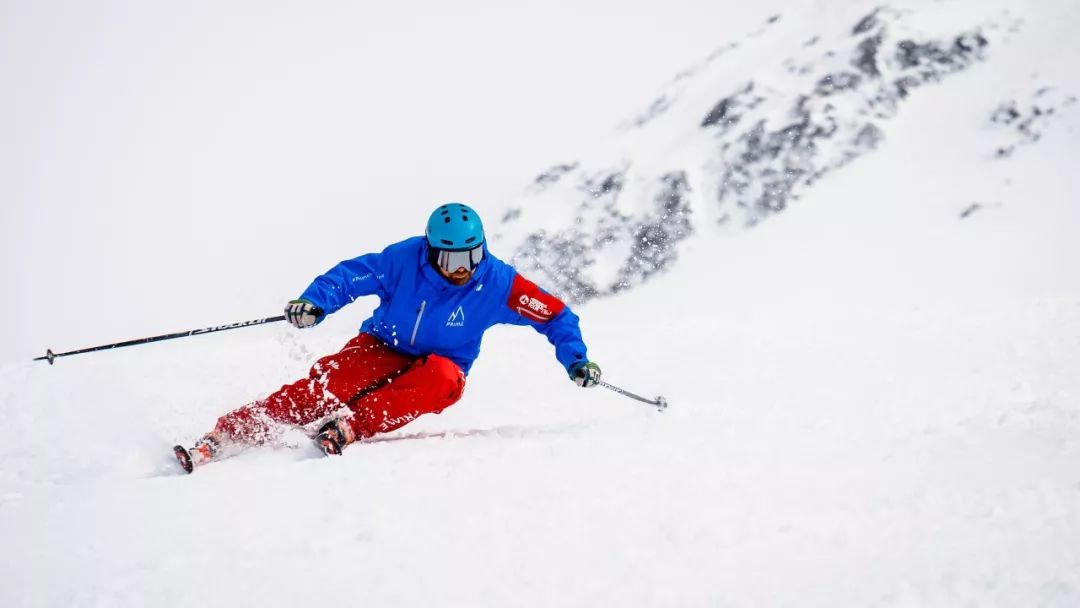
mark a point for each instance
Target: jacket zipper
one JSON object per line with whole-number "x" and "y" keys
{"x": 416, "y": 327}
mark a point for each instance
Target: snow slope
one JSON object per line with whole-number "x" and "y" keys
{"x": 873, "y": 403}
{"x": 739, "y": 137}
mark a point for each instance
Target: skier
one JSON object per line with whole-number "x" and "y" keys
{"x": 438, "y": 294}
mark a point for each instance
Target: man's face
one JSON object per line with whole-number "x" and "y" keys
{"x": 457, "y": 266}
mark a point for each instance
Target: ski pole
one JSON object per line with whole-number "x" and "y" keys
{"x": 659, "y": 402}
{"x": 50, "y": 356}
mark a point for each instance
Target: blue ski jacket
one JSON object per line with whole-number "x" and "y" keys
{"x": 420, "y": 312}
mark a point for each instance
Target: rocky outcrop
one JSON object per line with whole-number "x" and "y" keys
{"x": 758, "y": 148}
{"x": 779, "y": 154}
{"x": 1023, "y": 123}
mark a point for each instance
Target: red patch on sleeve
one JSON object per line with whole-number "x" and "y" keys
{"x": 531, "y": 302}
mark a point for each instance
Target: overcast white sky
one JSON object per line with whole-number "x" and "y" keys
{"x": 172, "y": 165}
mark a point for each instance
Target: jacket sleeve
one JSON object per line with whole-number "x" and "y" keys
{"x": 528, "y": 304}
{"x": 366, "y": 275}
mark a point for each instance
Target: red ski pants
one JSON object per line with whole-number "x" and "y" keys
{"x": 382, "y": 388}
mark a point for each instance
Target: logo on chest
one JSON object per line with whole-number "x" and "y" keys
{"x": 457, "y": 318}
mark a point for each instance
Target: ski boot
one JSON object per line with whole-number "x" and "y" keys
{"x": 202, "y": 452}
{"x": 333, "y": 437}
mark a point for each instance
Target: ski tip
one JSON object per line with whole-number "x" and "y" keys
{"x": 183, "y": 458}
{"x": 328, "y": 445}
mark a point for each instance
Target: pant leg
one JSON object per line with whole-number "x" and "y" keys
{"x": 333, "y": 381}
{"x": 431, "y": 384}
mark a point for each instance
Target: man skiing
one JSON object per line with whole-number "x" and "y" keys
{"x": 438, "y": 294}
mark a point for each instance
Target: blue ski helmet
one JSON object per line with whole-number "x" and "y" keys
{"x": 454, "y": 227}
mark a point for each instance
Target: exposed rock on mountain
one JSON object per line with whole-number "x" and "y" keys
{"x": 1024, "y": 122}
{"x": 732, "y": 141}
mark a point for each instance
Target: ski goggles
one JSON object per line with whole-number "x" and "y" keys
{"x": 450, "y": 261}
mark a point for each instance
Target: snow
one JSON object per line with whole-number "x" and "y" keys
{"x": 874, "y": 401}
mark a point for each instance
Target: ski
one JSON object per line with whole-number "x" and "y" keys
{"x": 204, "y": 450}
{"x": 184, "y": 458}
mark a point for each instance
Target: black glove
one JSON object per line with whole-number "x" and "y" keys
{"x": 301, "y": 313}
{"x": 585, "y": 373}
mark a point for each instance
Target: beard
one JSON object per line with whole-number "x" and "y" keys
{"x": 459, "y": 277}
